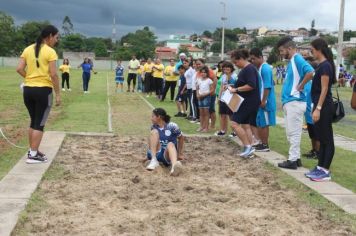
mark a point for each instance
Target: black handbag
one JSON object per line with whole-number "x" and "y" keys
{"x": 338, "y": 108}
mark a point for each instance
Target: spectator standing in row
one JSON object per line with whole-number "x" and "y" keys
{"x": 293, "y": 100}
{"x": 134, "y": 65}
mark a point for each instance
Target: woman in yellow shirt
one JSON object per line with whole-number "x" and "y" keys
{"x": 157, "y": 73}
{"x": 148, "y": 81}
{"x": 170, "y": 80}
{"x": 38, "y": 66}
{"x": 65, "y": 74}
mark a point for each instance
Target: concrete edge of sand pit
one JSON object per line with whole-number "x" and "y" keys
{"x": 23, "y": 179}
{"x": 335, "y": 193}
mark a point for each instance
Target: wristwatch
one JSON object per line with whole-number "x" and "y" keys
{"x": 319, "y": 108}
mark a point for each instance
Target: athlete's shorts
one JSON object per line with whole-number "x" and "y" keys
{"x": 160, "y": 157}
{"x": 119, "y": 80}
{"x": 265, "y": 118}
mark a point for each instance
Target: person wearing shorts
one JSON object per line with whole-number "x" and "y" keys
{"x": 247, "y": 86}
{"x": 38, "y": 66}
{"x": 119, "y": 77}
{"x": 166, "y": 143}
{"x": 181, "y": 99}
{"x": 266, "y": 114}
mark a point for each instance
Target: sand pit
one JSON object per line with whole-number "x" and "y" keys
{"x": 105, "y": 190}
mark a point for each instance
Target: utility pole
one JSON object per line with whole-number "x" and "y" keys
{"x": 340, "y": 38}
{"x": 223, "y": 18}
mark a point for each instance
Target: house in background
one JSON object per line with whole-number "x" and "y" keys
{"x": 165, "y": 53}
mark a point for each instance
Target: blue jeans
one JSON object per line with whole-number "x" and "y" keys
{"x": 86, "y": 78}
{"x": 139, "y": 83}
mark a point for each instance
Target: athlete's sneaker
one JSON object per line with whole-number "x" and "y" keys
{"x": 312, "y": 154}
{"x": 176, "y": 169}
{"x": 232, "y": 135}
{"x": 63, "y": 89}
{"x": 153, "y": 164}
{"x": 262, "y": 148}
{"x": 311, "y": 172}
{"x": 38, "y": 158}
{"x": 69, "y": 89}
{"x": 247, "y": 152}
{"x": 220, "y": 133}
{"x": 320, "y": 176}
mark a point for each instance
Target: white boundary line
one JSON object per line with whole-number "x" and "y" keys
{"x": 109, "y": 105}
{"x": 147, "y": 102}
{"x": 11, "y": 143}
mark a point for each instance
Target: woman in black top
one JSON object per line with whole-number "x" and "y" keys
{"x": 322, "y": 114}
{"x": 247, "y": 86}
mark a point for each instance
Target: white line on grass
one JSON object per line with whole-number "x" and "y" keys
{"x": 147, "y": 102}
{"x": 109, "y": 106}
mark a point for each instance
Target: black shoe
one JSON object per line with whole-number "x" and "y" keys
{"x": 262, "y": 148}
{"x": 299, "y": 163}
{"x": 288, "y": 165}
{"x": 183, "y": 115}
{"x": 179, "y": 114}
{"x": 39, "y": 158}
{"x": 309, "y": 154}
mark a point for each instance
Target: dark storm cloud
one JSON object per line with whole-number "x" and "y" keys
{"x": 164, "y": 17}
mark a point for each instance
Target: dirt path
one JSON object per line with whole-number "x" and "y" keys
{"x": 105, "y": 190}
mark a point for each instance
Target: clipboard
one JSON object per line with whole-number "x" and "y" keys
{"x": 232, "y": 100}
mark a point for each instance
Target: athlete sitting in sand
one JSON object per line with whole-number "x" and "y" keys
{"x": 166, "y": 141}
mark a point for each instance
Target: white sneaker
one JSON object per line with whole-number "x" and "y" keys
{"x": 247, "y": 152}
{"x": 153, "y": 164}
{"x": 63, "y": 89}
{"x": 176, "y": 169}
{"x": 69, "y": 89}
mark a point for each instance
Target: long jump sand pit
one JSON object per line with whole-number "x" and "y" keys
{"x": 104, "y": 189}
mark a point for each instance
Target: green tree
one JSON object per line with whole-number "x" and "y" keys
{"x": 67, "y": 26}
{"x": 73, "y": 42}
{"x": 101, "y": 49}
{"x": 331, "y": 40}
{"x": 352, "y": 56}
{"x": 273, "y": 56}
{"x": 349, "y": 34}
{"x": 7, "y": 34}
{"x": 31, "y": 30}
{"x": 313, "y": 31}
{"x": 207, "y": 33}
{"x": 142, "y": 43}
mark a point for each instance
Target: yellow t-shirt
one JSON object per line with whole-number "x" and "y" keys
{"x": 158, "y": 71}
{"x": 38, "y": 77}
{"x": 140, "y": 69}
{"x": 147, "y": 68}
{"x": 169, "y": 73}
{"x": 64, "y": 68}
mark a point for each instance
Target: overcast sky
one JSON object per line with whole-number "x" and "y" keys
{"x": 166, "y": 17}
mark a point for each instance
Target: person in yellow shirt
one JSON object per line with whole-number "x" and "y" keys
{"x": 148, "y": 81}
{"x": 170, "y": 80}
{"x": 140, "y": 87}
{"x": 37, "y": 65}
{"x": 65, "y": 74}
{"x": 157, "y": 73}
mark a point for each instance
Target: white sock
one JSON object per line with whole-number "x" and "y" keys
{"x": 248, "y": 146}
{"x": 33, "y": 153}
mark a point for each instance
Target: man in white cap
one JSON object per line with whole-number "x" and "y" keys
{"x": 182, "y": 56}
